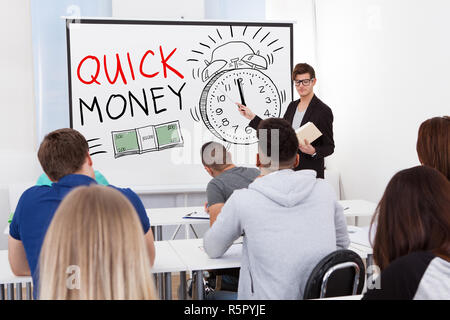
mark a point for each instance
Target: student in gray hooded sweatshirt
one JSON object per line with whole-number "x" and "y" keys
{"x": 290, "y": 220}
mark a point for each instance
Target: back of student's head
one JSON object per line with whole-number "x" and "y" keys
{"x": 215, "y": 156}
{"x": 277, "y": 143}
{"x": 413, "y": 215}
{"x": 95, "y": 249}
{"x": 433, "y": 144}
{"x": 62, "y": 152}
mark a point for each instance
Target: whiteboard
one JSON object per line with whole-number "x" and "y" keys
{"x": 147, "y": 94}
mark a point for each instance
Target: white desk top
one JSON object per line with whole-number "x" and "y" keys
{"x": 166, "y": 259}
{"x": 6, "y": 275}
{"x": 359, "y": 235}
{"x": 174, "y": 256}
{"x": 195, "y": 258}
{"x": 359, "y": 241}
{"x": 173, "y": 216}
{"x": 358, "y": 208}
{"x": 193, "y": 255}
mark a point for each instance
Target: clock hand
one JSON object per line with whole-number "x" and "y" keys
{"x": 240, "y": 91}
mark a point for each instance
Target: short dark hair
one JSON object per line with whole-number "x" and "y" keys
{"x": 62, "y": 152}
{"x": 215, "y": 156}
{"x": 413, "y": 215}
{"x": 433, "y": 144}
{"x": 302, "y": 68}
{"x": 287, "y": 140}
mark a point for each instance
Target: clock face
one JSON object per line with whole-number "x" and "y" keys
{"x": 247, "y": 86}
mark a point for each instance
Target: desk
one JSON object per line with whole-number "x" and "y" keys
{"x": 160, "y": 217}
{"x": 358, "y": 208}
{"x": 196, "y": 260}
{"x": 359, "y": 243}
{"x": 8, "y": 278}
{"x": 171, "y": 256}
{"x": 166, "y": 262}
{"x": 192, "y": 254}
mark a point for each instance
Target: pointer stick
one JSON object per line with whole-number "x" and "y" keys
{"x": 240, "y": 91}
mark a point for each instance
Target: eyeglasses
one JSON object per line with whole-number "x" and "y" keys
{"x": 305, "y": 82}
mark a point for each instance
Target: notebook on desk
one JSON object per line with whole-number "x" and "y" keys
{"x": 197, "y": 215}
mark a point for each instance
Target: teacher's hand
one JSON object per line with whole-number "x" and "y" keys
{"x": 307, "y": 148}
{"x": 246, "y": 112}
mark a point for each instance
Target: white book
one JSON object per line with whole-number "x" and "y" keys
{"x": 307, "y": 131}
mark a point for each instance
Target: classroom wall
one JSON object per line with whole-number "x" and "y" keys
{"x": 17, "y": 123}
{"x": 301, "y": 13}
{"x": 383, "y": 67}
{"x": 161, "y": 10}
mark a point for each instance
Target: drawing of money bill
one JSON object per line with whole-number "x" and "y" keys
{"x": 147, "y": 139}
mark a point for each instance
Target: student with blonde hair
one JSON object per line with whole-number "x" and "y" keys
{"x": 94, "y": 249}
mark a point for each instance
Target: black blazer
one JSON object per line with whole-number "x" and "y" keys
{"x": 322, "y": 117}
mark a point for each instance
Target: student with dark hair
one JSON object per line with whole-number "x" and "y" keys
{"x": 308, "y": 108}
{"x": 226, "y": 176}
{"x": 412, "y": 238}
{"x": 226, "y": 179}
{"x": 433, "y": 144}
{"x": 289, "y": 220}
{"x": 64, "y": 157}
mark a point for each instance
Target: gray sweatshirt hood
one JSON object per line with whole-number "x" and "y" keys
{"x": 285, "y": 187}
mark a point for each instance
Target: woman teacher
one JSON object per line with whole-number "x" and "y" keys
{"x": 307, "y": 108}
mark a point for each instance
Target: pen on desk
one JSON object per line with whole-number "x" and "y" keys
{"x": 346, "y": 208}
{"x": 190, "y": 214}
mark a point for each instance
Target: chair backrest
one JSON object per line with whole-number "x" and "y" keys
{"x": 341, "y": 273}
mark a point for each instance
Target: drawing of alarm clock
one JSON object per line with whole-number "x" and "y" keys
{"x": 246, "y": 85}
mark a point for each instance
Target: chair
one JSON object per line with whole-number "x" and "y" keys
{"x": 341, "y": 273}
